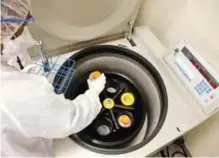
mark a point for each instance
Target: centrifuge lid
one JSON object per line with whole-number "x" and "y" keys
{"x": 81, "y": 20}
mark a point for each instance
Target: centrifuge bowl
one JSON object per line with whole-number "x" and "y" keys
{"x": 149, "y": 89}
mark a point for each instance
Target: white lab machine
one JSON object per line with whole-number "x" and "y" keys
{"x": 191, "y": 84}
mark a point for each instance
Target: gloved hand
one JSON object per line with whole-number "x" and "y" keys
{"x": 31, "y": 68}
{"x": 98, "y": 84}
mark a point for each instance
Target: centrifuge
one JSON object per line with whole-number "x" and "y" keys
{"x": 153, "y": 95}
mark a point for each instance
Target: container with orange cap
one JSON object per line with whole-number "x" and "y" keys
{"x": 125, "y": 120}
{"x": 94, "y": 75}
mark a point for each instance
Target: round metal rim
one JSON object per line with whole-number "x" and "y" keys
{"x": 160, "y": 83}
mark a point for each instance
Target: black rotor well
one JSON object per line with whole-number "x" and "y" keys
{"x": 119, "y": 136}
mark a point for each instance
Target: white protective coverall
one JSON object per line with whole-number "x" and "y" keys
{"x": 32, "y": 115}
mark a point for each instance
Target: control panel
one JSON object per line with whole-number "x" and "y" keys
{"x": 196, "y": 74}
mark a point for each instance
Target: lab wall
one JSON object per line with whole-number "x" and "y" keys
{"x": 198, "y": 22}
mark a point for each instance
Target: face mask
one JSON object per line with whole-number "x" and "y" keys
{"x": 18, "y": 48}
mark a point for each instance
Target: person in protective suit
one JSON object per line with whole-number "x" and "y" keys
{"x": 32, "y": 115}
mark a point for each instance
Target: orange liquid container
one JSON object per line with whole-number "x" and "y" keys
{"x": 94, "y": 75}
{"x": 125, "y": 119}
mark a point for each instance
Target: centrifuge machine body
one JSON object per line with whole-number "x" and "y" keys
{"x": 183, "y": 113}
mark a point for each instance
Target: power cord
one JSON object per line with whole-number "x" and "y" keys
{"x": 183, "y": 151}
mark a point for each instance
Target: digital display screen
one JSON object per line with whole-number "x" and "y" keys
{"x": 185, "y": 68}
{"x": 214, "y": 84}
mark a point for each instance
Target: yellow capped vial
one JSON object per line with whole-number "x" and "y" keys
{"x": 108, "y": 103}
{"x": 127, "y": 99}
